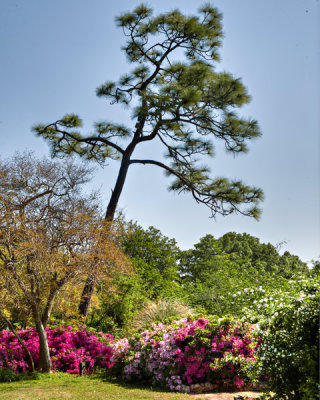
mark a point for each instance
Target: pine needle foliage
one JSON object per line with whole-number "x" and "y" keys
{"x": 175, "y": 98}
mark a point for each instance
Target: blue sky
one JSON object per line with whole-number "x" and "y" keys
{"x": 54, "y": 55}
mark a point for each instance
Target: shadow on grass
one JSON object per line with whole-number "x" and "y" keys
{"x": 66, "y": 379}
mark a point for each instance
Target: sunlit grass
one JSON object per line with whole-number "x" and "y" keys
{"x": 64, "y": 386}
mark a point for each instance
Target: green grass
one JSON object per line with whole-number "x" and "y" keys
{"x": 64, "y": 386}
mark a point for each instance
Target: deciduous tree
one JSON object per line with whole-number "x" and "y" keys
{"x": 216, "y": 269}
{"x": 50, "y": 236}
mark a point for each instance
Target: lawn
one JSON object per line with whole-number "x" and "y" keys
{"x": 64, "y": 386}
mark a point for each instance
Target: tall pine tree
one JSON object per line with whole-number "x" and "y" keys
{"x": 178, "y": 100}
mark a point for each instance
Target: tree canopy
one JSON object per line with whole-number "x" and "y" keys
{"x": 216, "y": 269}
{"x": 178, "y": 100}
{"x": 155, "y": 258}
{"x": 51, "y": 236}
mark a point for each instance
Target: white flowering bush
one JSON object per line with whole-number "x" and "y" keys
{"x": 288, "y": 322}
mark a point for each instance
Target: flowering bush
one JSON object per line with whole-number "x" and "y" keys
{"x": 190, "y": 351}
{"x": 290, "y": 351}
{"x": 286, "y": 318}
{"x": 67, "y": 348}
{"x": 261, "y": 305}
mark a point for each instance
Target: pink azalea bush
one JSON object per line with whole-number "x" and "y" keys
{"x": 67, "y": 348}
{"x": 172, "y": 355}
{"x": 189, "y": 351}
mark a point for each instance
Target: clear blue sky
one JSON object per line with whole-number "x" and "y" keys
{"x": 55, "y": 53}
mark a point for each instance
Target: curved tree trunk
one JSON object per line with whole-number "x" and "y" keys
{"x": 44, "y": 364}
{"x": 111, "y": 209}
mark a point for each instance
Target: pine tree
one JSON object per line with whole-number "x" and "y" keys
{"x": 178, "y": 100}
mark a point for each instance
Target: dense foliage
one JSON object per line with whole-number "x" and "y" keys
{"x": 290, "y": 349}
{"x": 154, "y": 258}
{"x": 215, "y": 277}
{"x": 283, "y": 344}
{"x": 217, "y": 270}
{"x": 56, "y": 249}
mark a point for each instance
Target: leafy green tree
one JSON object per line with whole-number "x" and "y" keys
{"x": 118, "y": 301}
{"x": 179, "y": 101}
{"x": 218, "y": 269}
{"x": 265, "y": 255}
{"x": 208, "y": 275}
{"x": 154, "y": 258}
{"x": 315, "y": 269}
{"x": 202, "y": 261}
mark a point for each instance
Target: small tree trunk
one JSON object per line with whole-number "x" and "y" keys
{"x": 44, "y": 364}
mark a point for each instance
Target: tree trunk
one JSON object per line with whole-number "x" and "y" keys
{"x": 86, "y": 296}
{"x": 113, "y": 202}
{"x": 111, "y": 209}
{"x": 47, "y": 312}
{"x": 44, "y": 364}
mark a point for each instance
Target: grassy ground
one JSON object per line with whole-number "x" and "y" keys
{"x": 64, "y": 386}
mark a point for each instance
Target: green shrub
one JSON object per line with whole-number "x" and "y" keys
{"x": 8, "y": 375}
{"x": 289, "y": 353}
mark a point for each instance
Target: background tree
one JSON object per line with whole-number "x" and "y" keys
{"x": 216, "y": 270}
{"x": 265, "y": 255}
{"x": 50, "y": 236}
{"x": 154, "y": 258}
{"x": 182, "y": 105}
{"x": 315, "y": 269}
